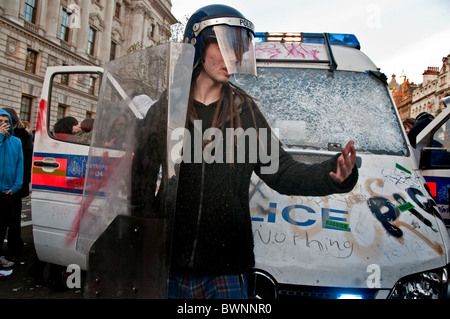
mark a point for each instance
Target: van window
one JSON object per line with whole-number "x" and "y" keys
{"x": 440, "y": 156}
{"x": 315, "y": 108}
{"x": 75, "y": 97}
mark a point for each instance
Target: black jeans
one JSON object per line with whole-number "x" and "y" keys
{"x": 6, "y": 212}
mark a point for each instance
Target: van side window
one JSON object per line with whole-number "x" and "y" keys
{"x": 440, "y": 156}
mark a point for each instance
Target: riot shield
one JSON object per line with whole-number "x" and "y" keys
{"x": 132, "y": 175}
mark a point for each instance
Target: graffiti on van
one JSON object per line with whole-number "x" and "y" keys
{"x": 290, "y": 51}
{"x": 328, "y": 246}
{"x": 308, "y": 216}
{"x": 387, "y": 212}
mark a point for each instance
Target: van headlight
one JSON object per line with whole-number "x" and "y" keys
{"x": 432, "y": 284}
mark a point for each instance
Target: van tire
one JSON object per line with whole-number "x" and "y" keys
{"x": 49, "y": 275}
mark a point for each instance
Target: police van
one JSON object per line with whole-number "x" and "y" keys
{"x": 384, "y": 239}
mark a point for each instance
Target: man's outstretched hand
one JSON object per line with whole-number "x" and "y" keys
{"x": 345, "y": 163}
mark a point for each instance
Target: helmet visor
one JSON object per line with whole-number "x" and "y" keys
{"x": 238, "y": 51}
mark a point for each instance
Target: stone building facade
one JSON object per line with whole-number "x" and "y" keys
{"x": 411, "y": 99}
{"x": 402, "y": 95}
{"x": 435, "y": 86}
{"x": 35, "y": 34}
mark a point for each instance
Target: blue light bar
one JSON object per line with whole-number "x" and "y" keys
{"x": 343, "y": 39}
{"x": 259, "y": 39}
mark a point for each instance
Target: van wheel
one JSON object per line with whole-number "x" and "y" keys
{"x": 49, "y": 275}
{"x": 56, "y": 277}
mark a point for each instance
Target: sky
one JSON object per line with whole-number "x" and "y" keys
{"x": 397, "y": 35}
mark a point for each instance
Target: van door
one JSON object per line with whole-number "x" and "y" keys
{"x": 59, "y": 162}
{"x": 433, "y": 143}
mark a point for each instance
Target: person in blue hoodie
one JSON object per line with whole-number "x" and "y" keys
{"x": 11, "y": 176}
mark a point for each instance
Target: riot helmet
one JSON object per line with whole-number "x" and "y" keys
{"x": 233, "y": 33}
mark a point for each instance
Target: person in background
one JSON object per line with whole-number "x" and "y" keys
{"x": 408, "y": 123}
{"x": 15, "y": 242}
{"x": 86, "y": 131}
{"x": 87, "y": 125}
{"x": 27, "y": 126}
{"x": 11, "y": 176}
{"x": 422, "y": 120}
{"x": 66, "y": 128}
{"x": 116, "y": 139}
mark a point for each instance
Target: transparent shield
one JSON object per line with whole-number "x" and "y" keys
{"x": 131, "y": 170}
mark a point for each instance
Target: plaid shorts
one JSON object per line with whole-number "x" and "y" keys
{"x": 194, "y": 286}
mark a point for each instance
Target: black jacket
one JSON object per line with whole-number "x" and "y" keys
{"x": 27, "y": 148}
{"x": 212, "y": 230}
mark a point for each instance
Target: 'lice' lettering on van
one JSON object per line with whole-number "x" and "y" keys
{"x": 331, "y": 218}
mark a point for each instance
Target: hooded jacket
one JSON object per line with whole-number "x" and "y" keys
{"x": 212, "y": 231}
{"x": 11, "y": 160}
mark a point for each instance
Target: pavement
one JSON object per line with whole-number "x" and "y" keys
{"x": 29, "y": 278}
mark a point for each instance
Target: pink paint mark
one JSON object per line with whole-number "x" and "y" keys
{"x": 111, "y": 165}
{"x": 298, "y": 51}
{"x": 268, "y": 51}
{"x": 41, "y": 125}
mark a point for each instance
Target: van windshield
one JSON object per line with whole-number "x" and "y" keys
{"x": 312, "y": 108}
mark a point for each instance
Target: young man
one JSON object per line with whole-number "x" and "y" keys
{"x": 15, "y": 242}
{"x": 11, "y": 176}
{"x": 212, "y": 242}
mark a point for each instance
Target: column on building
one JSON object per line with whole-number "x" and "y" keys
{"x": 105, "y": 42}
{"x": 82, "y": 34}
{"x": 12, "y": 10}
{"x": 137, "y": 25}
{"x": 52, "y": 19}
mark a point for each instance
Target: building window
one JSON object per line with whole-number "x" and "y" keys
{"x": 152, "y": 31}
{"x": 61, "y": 112}
{"x": 91, "y": 89}
{"x": 117, "y": 10}
{"x": 25, "y": 108}
{"x": 91, "y": 41}
{"x": 112, "y": 52}
{"x": 30, "y": 62}
{"x": 90, "y": 115}
{"x": 30, "y": 10}
{"x": 64, "y": 34}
